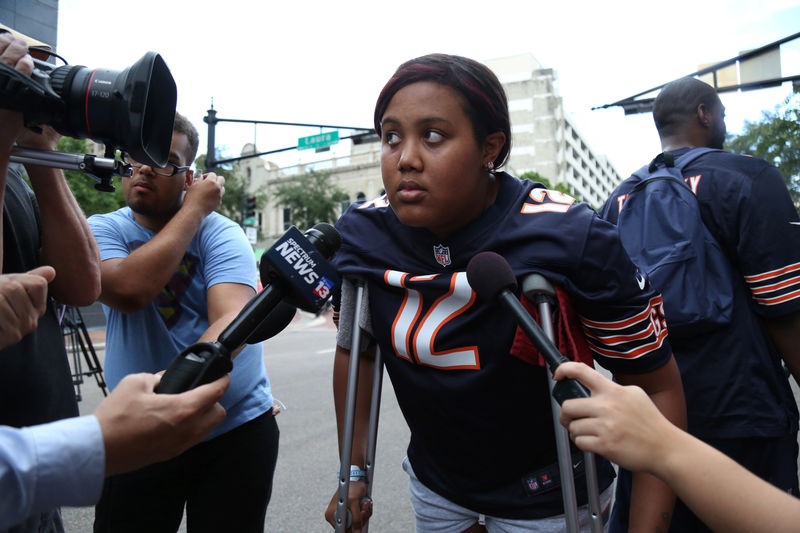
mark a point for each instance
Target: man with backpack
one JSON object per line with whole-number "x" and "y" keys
{"x": 727, "y": 261}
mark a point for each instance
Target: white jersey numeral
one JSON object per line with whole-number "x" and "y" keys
{"x": 457, "y": 300}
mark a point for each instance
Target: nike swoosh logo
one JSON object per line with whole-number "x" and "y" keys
{"x": 795, "y": 223}
{"x": 640, "y": 281}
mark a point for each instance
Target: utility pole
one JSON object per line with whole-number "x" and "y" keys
{"x": 211, "y": 120}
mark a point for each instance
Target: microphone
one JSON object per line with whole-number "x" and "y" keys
{"x": 296, "y": 274}
{"x": 490, "y": 275}
{"x": 273, "y": 323}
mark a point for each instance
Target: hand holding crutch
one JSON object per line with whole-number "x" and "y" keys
{"x": 341, "y": 511}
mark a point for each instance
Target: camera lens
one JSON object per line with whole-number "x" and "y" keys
{"x": 132, "y": 109}
{"x": 92, "y": 101}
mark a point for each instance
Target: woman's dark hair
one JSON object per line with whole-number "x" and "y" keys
{"x": 485, "y": 100}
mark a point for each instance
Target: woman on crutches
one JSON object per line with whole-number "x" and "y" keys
{"x": 482, "y": 455}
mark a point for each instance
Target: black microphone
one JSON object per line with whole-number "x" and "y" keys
{"x": 275, "y": 322}
{"x": 490, "y": 275}
{"x": 296, "y": 273}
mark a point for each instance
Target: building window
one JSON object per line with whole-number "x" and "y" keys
{"x": 287, "y": 218}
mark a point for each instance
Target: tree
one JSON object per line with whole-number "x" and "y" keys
{"x": 535, "y": 176}
{"x": 235, "y": 190}
{"x": 311, "y": 198}
{"x": 90, "y": 199}
{"x": 776, "y": 138}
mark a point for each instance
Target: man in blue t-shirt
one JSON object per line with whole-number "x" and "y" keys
{"x": 173, "y": 273}
{"x": 738, "y": 397}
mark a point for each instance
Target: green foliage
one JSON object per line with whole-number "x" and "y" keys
{"x": 90, "y": 199}
{"x": 776, "y": 138}
{"x": 561, "y": 187}
{"x": 311, "y": 198}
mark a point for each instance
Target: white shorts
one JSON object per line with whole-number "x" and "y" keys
{"x": 435, "y": 514}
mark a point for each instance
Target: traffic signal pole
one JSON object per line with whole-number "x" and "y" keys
{"x": 212, "y": 120}
{"x": 247, "y": 204}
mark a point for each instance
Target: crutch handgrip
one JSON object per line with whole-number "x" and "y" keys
{"x": 537, "y": 289}
{"x": 536, "y": 284}
{"x": 349, "y": 521}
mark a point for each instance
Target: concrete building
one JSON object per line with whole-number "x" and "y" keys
{"x": 544, "y": 140}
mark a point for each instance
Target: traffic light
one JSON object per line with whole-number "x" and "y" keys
{"x": 250, "y": 208}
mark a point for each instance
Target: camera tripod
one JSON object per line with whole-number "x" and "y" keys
{"x": 78, "y": 343}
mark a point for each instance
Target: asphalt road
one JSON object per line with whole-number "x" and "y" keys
{"x": 299, "y": 361}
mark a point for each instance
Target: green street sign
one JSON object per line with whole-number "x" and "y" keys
{"x": 320, "y": 140}
{"x": 249, "y": 222}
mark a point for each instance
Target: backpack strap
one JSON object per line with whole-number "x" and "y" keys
{"x": 691, "y": 155}
{"x": 667, "y": 159}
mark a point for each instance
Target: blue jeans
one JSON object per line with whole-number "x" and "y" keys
{"x": 225, "y": 484}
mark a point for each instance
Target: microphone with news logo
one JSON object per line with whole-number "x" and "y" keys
{"x": 490, "y": 276}
{"x": 296, "y": 274}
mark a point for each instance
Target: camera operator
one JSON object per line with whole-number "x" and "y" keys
{"x": 48, "y": 455}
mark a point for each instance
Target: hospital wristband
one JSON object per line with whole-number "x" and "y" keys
{"x": 356, "y": 473}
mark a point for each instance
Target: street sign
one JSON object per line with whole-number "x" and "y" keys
{"x": 251, "y": 221}
{"x": 320, "y": 140}
{"x": 252, "y": 234}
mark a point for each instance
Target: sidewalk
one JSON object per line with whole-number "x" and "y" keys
{"x": 302, "y": 320}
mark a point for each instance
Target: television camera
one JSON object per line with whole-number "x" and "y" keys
{"x": 132, "y": 110}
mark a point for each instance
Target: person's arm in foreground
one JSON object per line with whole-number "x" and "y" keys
{"x": 622, "y": 424}
{"x": 64, "y": 462}
{"x": 360, "y": 511}
{"x": 652, "y": 501}
{"x": 225, "y": 301}
{"x": 67, "y": 242}
{"x": 23, "y": 299}
{"x": 132, "y": 283}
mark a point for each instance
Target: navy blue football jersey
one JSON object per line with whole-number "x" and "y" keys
{"x": 733, "y": 378}
{"x": 479, "y": 417}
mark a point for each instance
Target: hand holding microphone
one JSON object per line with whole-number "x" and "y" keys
{"x": 296, "y": 273}
{"x": 490, "y": 275}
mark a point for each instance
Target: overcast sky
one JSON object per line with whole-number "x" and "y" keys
{"x": 323, "y": 62}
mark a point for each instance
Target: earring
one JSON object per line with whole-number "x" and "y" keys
{"x": 489, "y": 166}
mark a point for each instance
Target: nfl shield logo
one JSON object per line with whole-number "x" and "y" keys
{"x": 442, "y": 255}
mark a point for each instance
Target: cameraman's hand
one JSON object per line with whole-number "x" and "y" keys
{"x": 205, "y": 194}
{"x": 141, "y": 427}
{"x": 23, "y": 299}
{"x": 14, "y": 53}
{"x": 47, "y": 140}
